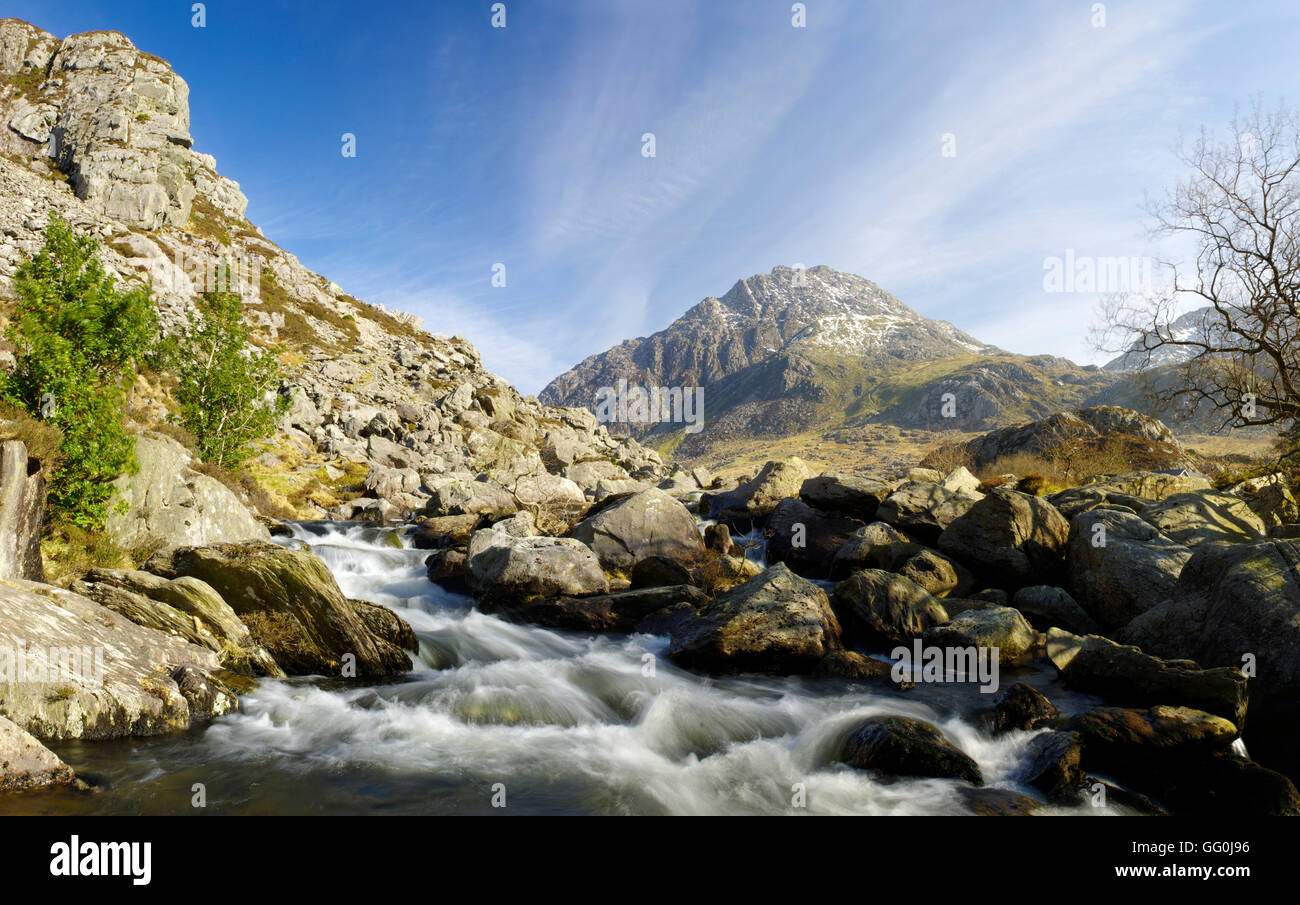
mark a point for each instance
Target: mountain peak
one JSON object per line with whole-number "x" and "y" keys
{"x": 782, "y": 329}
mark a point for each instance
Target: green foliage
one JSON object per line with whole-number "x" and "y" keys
{"x": 224, "y": 384}
{"x": 76, "y": 337}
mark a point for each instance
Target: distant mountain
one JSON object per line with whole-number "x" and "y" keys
{"x": 778, "y": 359}
{"x": 762, "y": 318}
{"x": 1186, "y": 326}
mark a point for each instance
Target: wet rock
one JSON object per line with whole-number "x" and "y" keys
{"x": 384, "y": 623}
{"x": 1054, "y": 766}
{"x": 776, "y": 622}
{"x": 667, "y": 620}
{"x": 203, "y": 691}
{"x": 904, "y": 746}
{"x": 622, "y": 611}
{"x": 851, "y": 665}
{"x": 449, "y": 568}
{"x": 513, "y": 568}
{"x": 984, "y": 802}
{"x": 1020, "y": 707}
{"x": 882, "y": 606}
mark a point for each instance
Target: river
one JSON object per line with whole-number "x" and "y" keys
{"x": 544, "y": 722}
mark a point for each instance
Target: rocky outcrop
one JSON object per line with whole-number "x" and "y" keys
{"x": 514, "y": 568}
{"x": 27, "y": 764}
{"x": 904, "y": 746}
{"x": 97, "y": 132}
{"x": 91, "y": 673}
{"x": 1239, "y": 606}
{"x": 292, "y": 606}
{"x": 1196, "y": 518}
{"x": 1065, "y": 429}
{"x": 805, "y": 538}
{"x": 630, "y": 528}
{"x": 1119, "y": 565}
{"x": 776, "y": 622}
{"x": 755, "y": 499}
{"x": 994, "y": 627}
{"x": 882, "y": 607}
{"x": 1125, "y": 675}
{"x": 168, "y": 501}
{"x": 621, "y": 611}
{"x": 185, "y": 607}
{"x": 22, "y": 513}
{"x": 1010, "y": 538}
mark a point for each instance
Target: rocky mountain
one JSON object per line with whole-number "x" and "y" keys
{"x": 820, "y": 351}
{"x": 385, "y": 416}
{"x": 1185, "y": 326}
{"x": 762, "y": 318}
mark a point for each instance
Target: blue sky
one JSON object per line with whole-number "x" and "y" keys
{"x": 774, "y": 145}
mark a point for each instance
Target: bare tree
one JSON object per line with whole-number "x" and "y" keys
{"x": 1240, "y": 210}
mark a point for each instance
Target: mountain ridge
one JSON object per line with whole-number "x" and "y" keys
{"x": 386, "y": 418}
{"x": 837, "y": 352}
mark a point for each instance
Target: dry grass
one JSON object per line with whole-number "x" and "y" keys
{"x": 250, "y": 492}
{"x": 42, "y": 440}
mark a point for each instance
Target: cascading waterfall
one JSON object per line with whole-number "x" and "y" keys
{"x": 556, "y": 722}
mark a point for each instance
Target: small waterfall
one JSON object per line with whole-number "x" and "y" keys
{"x": 566, "y": 723}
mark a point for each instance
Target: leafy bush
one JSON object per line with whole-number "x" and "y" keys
{"x": 76, "y": 337}
{"x": 224, "y": 383}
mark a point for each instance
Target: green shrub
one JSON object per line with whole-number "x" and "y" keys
{"x": 76, "y": 337}
{"x": 223, "y": 383}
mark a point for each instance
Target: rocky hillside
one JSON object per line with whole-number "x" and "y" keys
{"x": 384, "y": 414}
{"x": 777, "y": 358}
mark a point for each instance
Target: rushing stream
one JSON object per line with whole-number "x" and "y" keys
{"x": 566, "y": 723}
